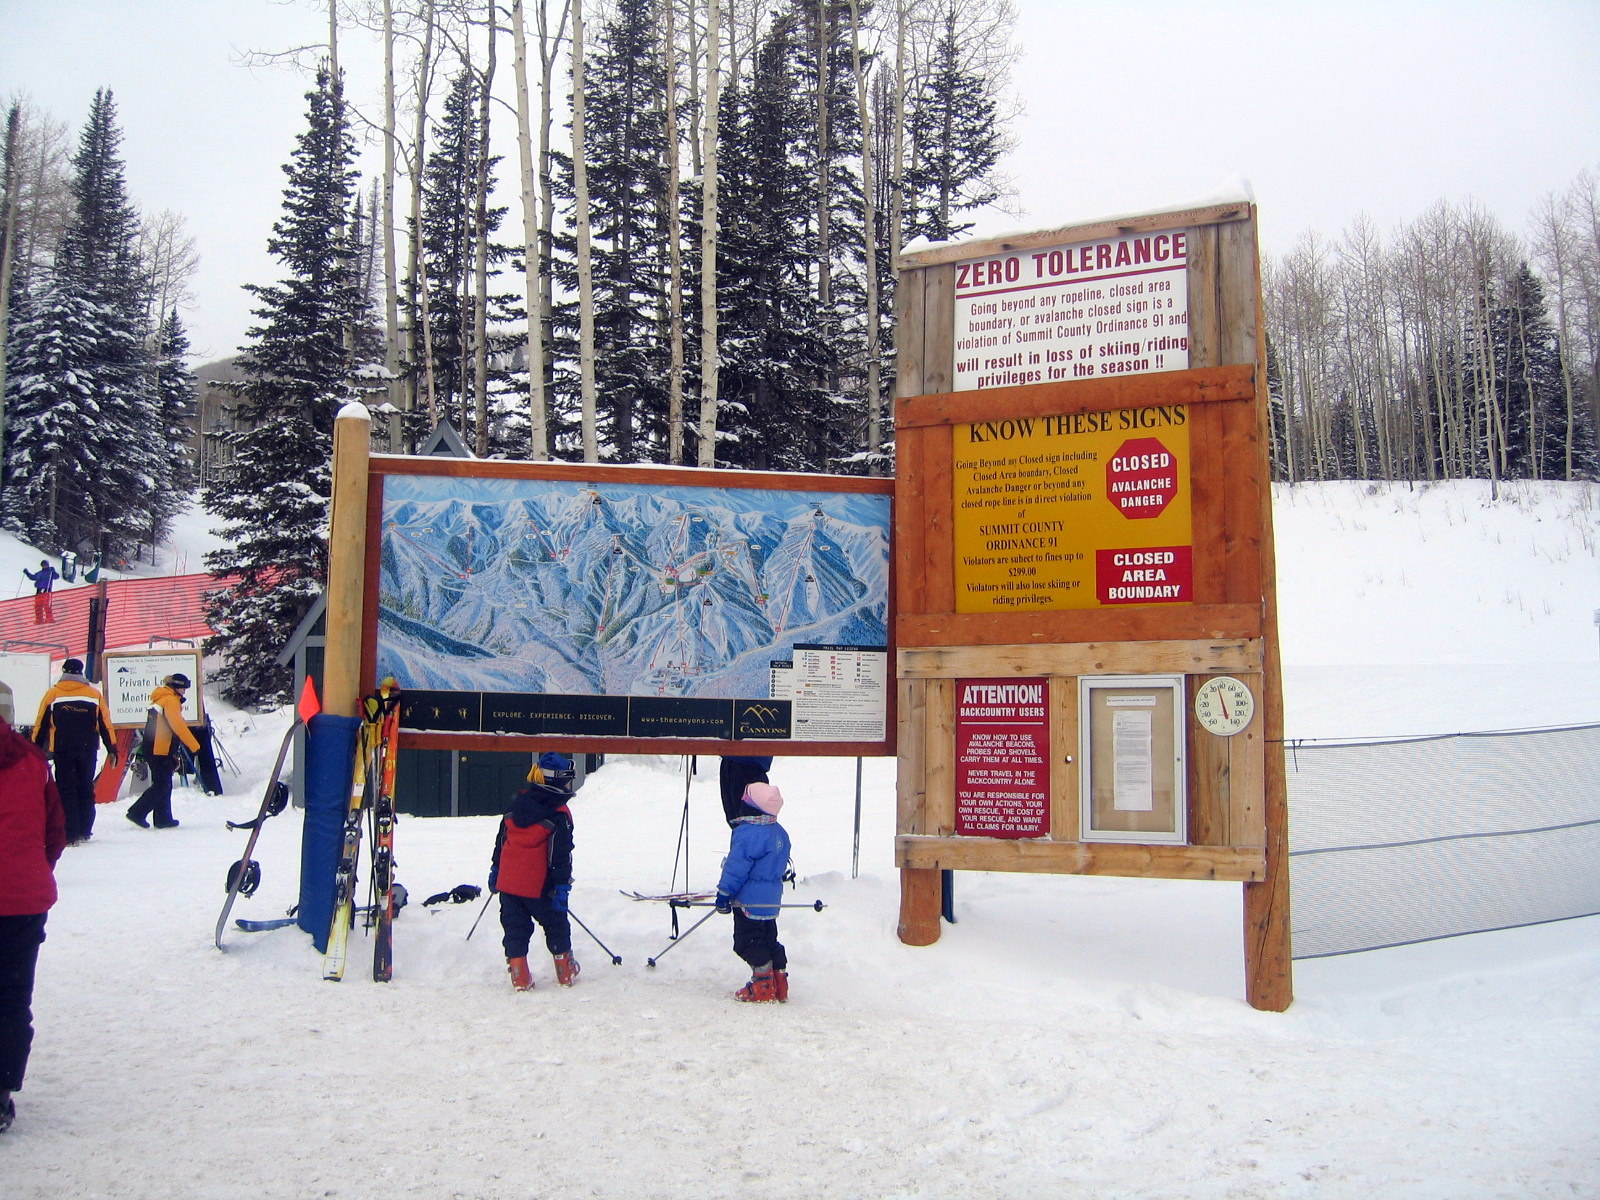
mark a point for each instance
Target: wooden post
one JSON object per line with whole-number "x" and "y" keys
{"x": 1268, "y": 954}
{"x": 920, "y": 896}
{"x": 347, "y": 554}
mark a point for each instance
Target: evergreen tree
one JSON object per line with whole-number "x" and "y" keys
{"x": 956, "y": 143}
{"x": 777, "y": 361}
{"x": 1528, "y": 367}
{"x": 449, "y": 249}
{"x": 86, "y": 451}
{"x": 627, "y": 142}
{"x": 175, "y": 404}
{"x": 298, "y": 372}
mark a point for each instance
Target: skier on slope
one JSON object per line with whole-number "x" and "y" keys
{"x": 72, "y": 716}
{"x": 751, "y": 888}
{"x": 44, "y": 581}
{"x": 532, "y": 871}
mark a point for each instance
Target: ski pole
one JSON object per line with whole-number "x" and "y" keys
{"x": 616, "y": 959}
{"x": 481, "y": 911}
{"x": 652, "y": 961}
{"x": 815, "y": 905}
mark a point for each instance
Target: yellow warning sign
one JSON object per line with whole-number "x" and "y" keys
{"x": 1085, "y": 510}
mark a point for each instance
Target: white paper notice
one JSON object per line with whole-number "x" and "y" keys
{"x": 1133, "y": 761}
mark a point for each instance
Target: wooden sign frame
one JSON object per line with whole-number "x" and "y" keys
{"x": 1236, "y": 816}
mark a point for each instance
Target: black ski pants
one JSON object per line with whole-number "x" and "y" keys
{"x": 156, "y": 802}
{"x": 517, "y": 915}
{"x": 757, "y": 942}
{"x": 74, "y": 770}
{"x": 20, "y": 939}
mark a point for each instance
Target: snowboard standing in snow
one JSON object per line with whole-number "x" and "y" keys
{"x": 245, "y": 875}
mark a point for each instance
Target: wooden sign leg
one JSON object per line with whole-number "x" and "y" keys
{"x": 919, "y": 905}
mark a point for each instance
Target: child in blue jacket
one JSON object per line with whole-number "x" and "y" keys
{"x": 751, "y": 888}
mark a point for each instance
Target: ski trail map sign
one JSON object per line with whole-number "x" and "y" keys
{"x": 634, "y": 606}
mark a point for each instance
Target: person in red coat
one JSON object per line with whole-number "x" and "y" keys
{"x": 532, "y": 871}
{"x": 33, "y": 833}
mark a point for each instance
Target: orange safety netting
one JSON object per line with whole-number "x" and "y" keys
{"x": 137, "y": 611}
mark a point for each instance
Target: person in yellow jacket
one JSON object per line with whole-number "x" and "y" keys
{"x": 166, "y": 722}
{"x": 72, "y": 716}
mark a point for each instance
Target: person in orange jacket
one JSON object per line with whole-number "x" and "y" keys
{"x": 166, "y": 722}
{"x": 72, "y": 716}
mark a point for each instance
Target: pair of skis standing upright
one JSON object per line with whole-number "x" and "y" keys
{"x": 372, "y": 787}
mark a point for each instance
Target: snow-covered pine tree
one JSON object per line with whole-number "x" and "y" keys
{"x": 299, "y": 368}
{"x": 956, "y": 142}
{"x": 776, "y": 361}
{"x": 87, "y": 454}
{"x": 1529, "y": 372}
{"x": 175, "y": 403}
{"x": 626, "y": 142}
{"x": 449, "y": 247}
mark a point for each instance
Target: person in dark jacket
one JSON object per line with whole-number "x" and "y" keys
{"x": 737, "y": 772}
{"x": 73, "y": 716}
{"x": 532, "y": 871}
{"x": 44, "y": 581}
{"x": 33, "y": 833}
{"x": 164, "y": 727}
{"x": 751, "y": 888}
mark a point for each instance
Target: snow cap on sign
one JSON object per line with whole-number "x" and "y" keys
{"x": 765, "y": 797}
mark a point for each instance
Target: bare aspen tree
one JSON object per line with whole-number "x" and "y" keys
{"x": 168, "y": 253}
{"x": 709, "y": 360}
{"x": 421, "y": 301}
{"x": 675, "y": 346}
{"x": 869, "y": 237}
{"x": 822, "y": 46}
{"x": 480, "y": 298}
{"x": 580, "y": 204}
{"x": 538, "y": 426}
{"x": 549, "y": 50}
{"x": 391, "y": 282}
{"x": 10, "y": 177}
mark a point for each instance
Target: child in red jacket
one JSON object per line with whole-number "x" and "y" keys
{"x": 533, "y": 873}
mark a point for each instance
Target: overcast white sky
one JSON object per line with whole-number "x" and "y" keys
{"x": 1326, "y": 109}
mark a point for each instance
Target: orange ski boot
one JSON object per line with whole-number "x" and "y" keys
{"x": 521, "y": 977}
{"x": 762, "y": 989}
{"x": 567, "y": 969}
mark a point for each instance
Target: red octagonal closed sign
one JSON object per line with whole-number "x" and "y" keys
{"x": 1142, "y": 478}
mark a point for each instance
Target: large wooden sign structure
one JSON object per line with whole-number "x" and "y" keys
{"x": 1087, "y": 655}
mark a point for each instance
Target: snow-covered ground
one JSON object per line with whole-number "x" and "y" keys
{"x": 1069, "y": 1037}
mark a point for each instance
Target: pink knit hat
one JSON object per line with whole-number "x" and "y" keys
{"x": 765, "y": 797}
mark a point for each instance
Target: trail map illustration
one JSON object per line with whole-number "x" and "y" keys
{"x": 588, "y": 589}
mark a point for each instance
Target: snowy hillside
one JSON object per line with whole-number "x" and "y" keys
{"x": 1068, "y": 1037}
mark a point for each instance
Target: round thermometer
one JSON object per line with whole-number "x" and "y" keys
{"x": 1224, "y": 705}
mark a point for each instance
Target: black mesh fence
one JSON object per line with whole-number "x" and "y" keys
{"x": 1406, "y": 841}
